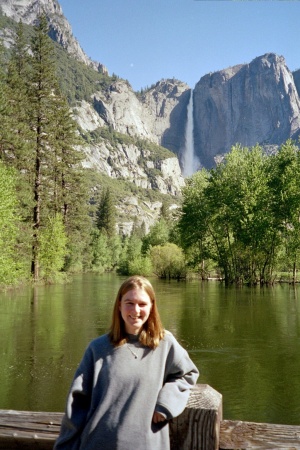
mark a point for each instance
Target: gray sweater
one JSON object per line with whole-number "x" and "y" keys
{"x": 116, "y": 390}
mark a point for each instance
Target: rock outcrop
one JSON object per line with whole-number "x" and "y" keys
{"x": 158, "y": 115}
{"x": 247, "y": 104}
{"x": 151, "y": 118}
{"x": 296, "y": 76}
{"x": 59, "y": 28}
{"x": 165, "y": 106}
{"x": 127, "y": 160}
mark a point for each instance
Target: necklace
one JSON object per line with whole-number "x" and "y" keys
{"x": 132, "y": 352}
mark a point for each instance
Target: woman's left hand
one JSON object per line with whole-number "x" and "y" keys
{"x": 158, "y": 417}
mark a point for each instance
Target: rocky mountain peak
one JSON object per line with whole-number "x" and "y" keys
{"x": 247, "y": 104}
{"x": 168, "y": 87}
{"x": 59, "y": 28}
{"x": 28, "y": 10}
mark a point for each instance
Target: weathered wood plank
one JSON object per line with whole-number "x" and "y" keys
{"x": 197, "y": 428}
{"x": 28, "y": 430}
{"x": 244, "y": 435}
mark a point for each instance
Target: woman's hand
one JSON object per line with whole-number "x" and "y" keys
{"x": 158, "y": 417}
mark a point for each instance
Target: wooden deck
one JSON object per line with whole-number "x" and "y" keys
{"x": 28, "y": 430}
{"x": 200, "y": 426}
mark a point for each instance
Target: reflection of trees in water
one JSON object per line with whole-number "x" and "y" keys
{"x": 32, "y": 343}
{"x": 245, "y": 341}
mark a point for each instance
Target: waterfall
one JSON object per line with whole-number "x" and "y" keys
{"x": 190, "y": 162}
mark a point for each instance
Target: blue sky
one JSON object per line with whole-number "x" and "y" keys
{"x": 144, "y": 41}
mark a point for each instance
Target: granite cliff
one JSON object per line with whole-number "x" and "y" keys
{"x": 248, "y": 104}
{"x": 118, "y": 108}
{"x": 59, "y": 28}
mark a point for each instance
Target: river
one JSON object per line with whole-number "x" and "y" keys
{"x": 245, "y": 341}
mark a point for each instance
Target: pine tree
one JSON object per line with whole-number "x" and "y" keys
{"x": 5, "y": 112}
{"x": 69, "y": 182}
{"x": 52, "y": 249}
{"x": 41, "y": 89}
{"x": 39, "y": 137}
{"x": 17, "y": 79}
{"x": 19, "y": 113}
{"x": 106, "y": 214}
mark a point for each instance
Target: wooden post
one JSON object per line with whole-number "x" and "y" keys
{"x": 198, "y": 427}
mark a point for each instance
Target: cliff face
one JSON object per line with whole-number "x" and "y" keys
{"x": 119, "y": 108}
{"x": 296, "y": 76}
{"x": 59, "y": 28}
{"x": 159, "y": 115}
{"x": 165, "y": 105}
{"x": 246, "y": 104}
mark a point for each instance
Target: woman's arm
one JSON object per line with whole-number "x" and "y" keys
{"x": 78, "y": 406}
{"x": 181, "y": 376}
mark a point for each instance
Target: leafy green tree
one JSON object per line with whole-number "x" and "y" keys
{"x": 106, "y": 251}
{"x": 229, "y": 217}
{"x": 195, "y": 220}
{"x": 284, "y": 185}
{"x": 52, "y": 248}
{"x": 11, "y": 269}
{"x": 141, "y": 265}
{"x": 131, "y": 251}
{"x": 100, "y": 251}
{"x": 243, "y": 223}
{"x": 115, "y": 246}
{"x": 158, "y": 235}
{"x": 168, "y": 261}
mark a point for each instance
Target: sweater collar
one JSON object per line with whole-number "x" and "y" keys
{"x": 133, "y": 337}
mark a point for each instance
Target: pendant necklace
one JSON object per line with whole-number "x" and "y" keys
{"x": 132, "y": 352}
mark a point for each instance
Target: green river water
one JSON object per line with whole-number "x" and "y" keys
{"x": 245, "y": 342}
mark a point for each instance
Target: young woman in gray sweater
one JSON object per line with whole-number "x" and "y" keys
{"x": 130, "y": 381}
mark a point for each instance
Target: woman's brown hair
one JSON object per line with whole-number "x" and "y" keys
{"x": 152, "y": 331}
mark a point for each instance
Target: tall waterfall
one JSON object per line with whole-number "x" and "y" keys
{"x": 190, "y": 162}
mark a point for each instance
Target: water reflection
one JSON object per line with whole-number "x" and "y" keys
{"x": 245, "y": 341}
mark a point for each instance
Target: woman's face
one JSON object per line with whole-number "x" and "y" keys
{"x": 135, "y": 307}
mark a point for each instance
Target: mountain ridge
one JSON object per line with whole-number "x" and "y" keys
{"x": 256, "y": 102}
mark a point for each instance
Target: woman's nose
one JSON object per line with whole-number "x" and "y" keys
{"x": 136, "y": 308}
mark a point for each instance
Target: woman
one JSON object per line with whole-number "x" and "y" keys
{"x": 129, "y": 382}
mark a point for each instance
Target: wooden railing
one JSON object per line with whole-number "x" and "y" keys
{"x": 200, "y": 426}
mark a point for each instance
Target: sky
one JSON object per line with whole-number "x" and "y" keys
{"x": 144, "y": 41}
